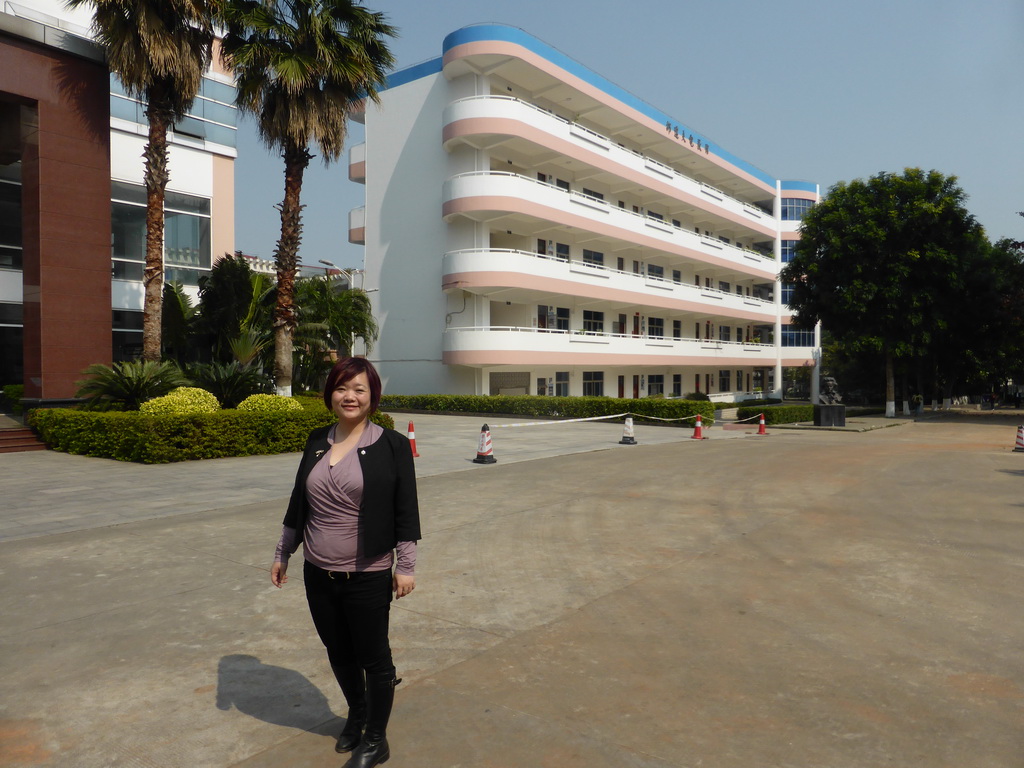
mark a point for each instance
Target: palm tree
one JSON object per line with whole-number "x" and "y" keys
{"x": 301, "y": 66}
{"x": 159, "y": 50}
{"x": 347, "y": 313}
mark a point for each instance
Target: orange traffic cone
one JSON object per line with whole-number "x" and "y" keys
{"x": 760, "y": 428}
{"x": 1020, "y": 439}
{"x": 484, "y": 454}
{"x": 627, "y": 433}
{"x": 412, "y": 440}
{"x": 698, "y": 431}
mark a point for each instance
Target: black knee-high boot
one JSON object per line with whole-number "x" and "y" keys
{"x": 380, "y": 697}
{"x": 352, "y": 683}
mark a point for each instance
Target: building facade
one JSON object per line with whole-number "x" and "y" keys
{"x": 532, "y": 228}
{"x": 72, "y": 200}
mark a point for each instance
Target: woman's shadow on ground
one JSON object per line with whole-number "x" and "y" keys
{"x": 273, "y": 694}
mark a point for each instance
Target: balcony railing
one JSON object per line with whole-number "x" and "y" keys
{"x": 489, "y": 106}
{"x": 490, "y": 183}
{"x": 551, "y": 266}
{"x": 505, "y": 338}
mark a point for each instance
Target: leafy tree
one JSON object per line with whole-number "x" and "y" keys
{"x": 882, "y": 264}
{"x": 225, "y": 297}
{"x": 346, "y": 313}
{"x": 159, "y": 50}
{"x": 300, "y": 67}
{"x": 178, "y": 322}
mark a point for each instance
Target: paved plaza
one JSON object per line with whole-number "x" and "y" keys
{"x": 808, "y": 599}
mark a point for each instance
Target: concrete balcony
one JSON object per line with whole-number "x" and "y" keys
{"x": 496, "y": 116}
{"x": 498, "y": 196}
{"x": 536, "y": 278}
{"x": 357, "y": 226}
{"x": 510, "y": 345}
{"x": 357, "y": 163}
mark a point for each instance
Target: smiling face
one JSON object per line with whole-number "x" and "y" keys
{"x": 351, "y": 400}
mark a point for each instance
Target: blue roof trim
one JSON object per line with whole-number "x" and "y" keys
{"x": 481, "y": 32}
{"x": 803, "y": 186}
{"x": 477, "y": 33}
{"x": 415, "y": 72}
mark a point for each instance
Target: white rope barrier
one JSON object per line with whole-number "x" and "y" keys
{"x": 590, "y": 418}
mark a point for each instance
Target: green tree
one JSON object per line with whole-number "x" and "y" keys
{"x": 159, "y": 50}
{"x": 346, "y": 313}
{"x": 225, "y": 297}
{"x": 178, "y": 322}
{"x": 881, "y": 264}
{"x": 301, "y": 66}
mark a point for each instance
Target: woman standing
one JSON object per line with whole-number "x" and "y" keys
{"x": 352, "y": 508}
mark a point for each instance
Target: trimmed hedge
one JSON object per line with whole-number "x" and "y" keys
{"x": 13, "y": 393}
{"x": 158, "y": 439}
{"x": 556, "y": 407}
{"x": 778, "y": 414}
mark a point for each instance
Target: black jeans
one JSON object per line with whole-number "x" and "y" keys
{"x": 351, "y": 612}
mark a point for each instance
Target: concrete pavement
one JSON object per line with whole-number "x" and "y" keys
{"x": 802, "y": 599}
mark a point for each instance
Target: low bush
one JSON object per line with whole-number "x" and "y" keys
{"x": 778, "y": 414}
{"x": 181, "y": 401}
{"x": 230, "y": 383}
{"x": 158, "y": 438}
{"x": 558, "y": 407}
{"x": 129, "y": 384}
{"x": 13, "y": 393}
{"x": 269, "y": 404}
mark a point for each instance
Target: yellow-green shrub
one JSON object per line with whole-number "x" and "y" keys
{"x": 269, "y": 404}
{"x": 181, "y": 401}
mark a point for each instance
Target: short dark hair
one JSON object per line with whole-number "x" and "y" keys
{"x": 348, "y": 368}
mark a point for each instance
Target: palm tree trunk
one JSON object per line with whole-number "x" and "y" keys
{"x": 296, "y": 159}
{"x": 155, "y": 177}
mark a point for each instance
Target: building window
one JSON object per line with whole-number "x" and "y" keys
{"x": 724, "y": 333}
{"x": 562, "y": 384}
{"x": 677, "y": 385}
{"x": 723, "y": 286}
{"x": 653, "y": 270}
{"x": 677, "y": 276}
{"x": 593, "y": 383}
{"x": 593, "y": 194}
{"x": 655, "y": 384}
{"x": 595, "y": 258}
{"x": 788, "y": 250}
{"x": 677, "y": 329}
{"x": 794, "y": 337}
{"x": 794, "y": 208}
{"x": 787, "y": 293}
{"x": 187, "y": 247}
{"x": 10, "y": 218}
{"x": 553, "y": 318}
{"x": 724, "y": 381}
{"x": 656, "y": 327}
{"x": 593, "y": 322}
{"x": 739, "y": 379}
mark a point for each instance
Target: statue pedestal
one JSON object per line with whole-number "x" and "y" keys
{"x": 830, "y": 415}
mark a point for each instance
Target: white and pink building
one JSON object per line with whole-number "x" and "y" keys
{"x": 532, "y": 228}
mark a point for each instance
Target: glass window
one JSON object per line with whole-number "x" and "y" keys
{"x": 739, "y": 379}
{"x": 677, "y": 329}
{"x": 593, "y": 257}
{"x": 724, "y": 381}
{"x": 787, "y": 293}
{"x": 794, "y": 337}
{"x": 186, "y": 240}
{"x": 653, "y": 270}
{"x": 677, "y": 385}
{"x": 10, "y": 214}
{"x": 794, "y": 208}
{"x": 656, "y": 384}
{"x": 677, "y": 276}
{"x": 128, "y": 232}
{"x": 593, "y": 322}
{"x": 788, "y": 250}
{"x": 593, "y": 383}
{"x": 128, "y": 193}
{"x": 213, "y": 89}
{"x": 593, "y": 194}
{"x": 724, "y": 333}
{"x": 562, "y": 384}
{"x": 656, "y": 327}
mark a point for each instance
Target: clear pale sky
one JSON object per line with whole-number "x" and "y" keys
{"x": 814, "y": 90}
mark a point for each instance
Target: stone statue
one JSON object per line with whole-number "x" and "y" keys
{"x": 829, "y": 391}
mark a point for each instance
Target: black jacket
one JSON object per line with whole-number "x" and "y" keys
{"x": 389, "y": 512}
